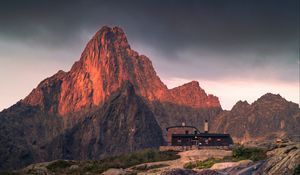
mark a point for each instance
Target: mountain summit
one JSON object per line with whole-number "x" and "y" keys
{"x": 105, "y": 64}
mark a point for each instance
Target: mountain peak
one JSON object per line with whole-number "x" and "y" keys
{"x": 106, "y": 63}
{"x": 106, "y": 43}
{"x": 192, "y": 83}
{"x": 270, "y": 96}
{"x": 240, "y": 104}
{"x": 115, "y": 36}
{"x": 191, "y": 94}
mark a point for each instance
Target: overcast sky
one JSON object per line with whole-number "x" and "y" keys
{"x": 237, "y": 50}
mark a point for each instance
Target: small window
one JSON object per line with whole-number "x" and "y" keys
{"x": 186, "y": 132}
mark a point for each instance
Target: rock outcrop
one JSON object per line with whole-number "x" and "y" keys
{"x": 282, "y": 160}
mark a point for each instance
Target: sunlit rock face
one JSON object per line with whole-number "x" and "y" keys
{"x": 191, "y": 94}
{"x": 105, "y": 64}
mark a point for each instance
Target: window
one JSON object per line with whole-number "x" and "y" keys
{"x": 186, "y": 132}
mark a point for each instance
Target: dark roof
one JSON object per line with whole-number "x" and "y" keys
{"x": 202, "y": 135}
{"x": 180, "y": 126}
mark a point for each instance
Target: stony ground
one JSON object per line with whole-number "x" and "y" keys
{"x": 185, "y": 157}
{"x": 281, "y": 160}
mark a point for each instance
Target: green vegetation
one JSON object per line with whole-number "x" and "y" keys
{"x": 238, "y": 153}
{"x": 122, "y": 161}
{"x": 128, "y": 160}
{"x": 59, "y": 165}
{"x": 202, "y": 164}
{"x": 254, "y": 154}
{"x": 297, "y": 170}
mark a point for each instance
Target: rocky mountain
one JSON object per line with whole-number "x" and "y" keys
{"x": 110, "y": 102}
{"x": 113, "y": 102}
{"x": 269, "y": 117}
{"x": 105, "y": 64}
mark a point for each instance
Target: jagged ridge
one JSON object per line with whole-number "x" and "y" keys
{"x": 269, "y": 117}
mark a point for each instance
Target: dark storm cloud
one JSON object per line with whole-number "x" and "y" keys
{"x": 249, "y": 34}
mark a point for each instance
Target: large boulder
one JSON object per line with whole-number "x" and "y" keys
{"x": 282, "y": 160}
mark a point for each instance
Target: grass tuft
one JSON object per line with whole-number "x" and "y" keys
{"x": 122, "y": 161}
{"x": 202, "y": 164}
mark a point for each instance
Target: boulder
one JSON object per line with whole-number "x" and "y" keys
{"x": 114, "y": 171}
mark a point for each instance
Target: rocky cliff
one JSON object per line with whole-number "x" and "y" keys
{"x": 25, "y": 132}
{"x": 123, "y": 124}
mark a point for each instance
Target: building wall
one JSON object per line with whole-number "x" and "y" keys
{"x": 201, "y": 140}
{"x": 179, "y": 130}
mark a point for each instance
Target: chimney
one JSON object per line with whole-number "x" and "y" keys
{"x": 206, "y": 126}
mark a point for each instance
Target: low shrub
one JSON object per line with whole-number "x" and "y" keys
{"x": 254, "y": 154}
{"x": 131, "y": 159}
{"x": 297, "y": 170}
{"x": 58, "y": 165}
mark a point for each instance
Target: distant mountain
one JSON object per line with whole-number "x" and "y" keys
{"x": 77, "y": 115}
{"x": 271, "y": 116}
